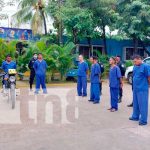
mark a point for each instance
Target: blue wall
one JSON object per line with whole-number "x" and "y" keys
{"x": 114, "y": 47}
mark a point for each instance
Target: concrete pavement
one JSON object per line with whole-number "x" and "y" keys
{"x": 66, "y": 122}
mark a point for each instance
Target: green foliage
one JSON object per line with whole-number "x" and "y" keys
{"x": 23, "y": 60}
{"x": 33, "y": 11}
{"x": 105, "y": 60}
{"x": 7, "y": 48}
{"x": 78, "y": 21}
{"x": 134, "y": 19}
{"x": 58, "y": 58}
{"x": 128, "y": 63}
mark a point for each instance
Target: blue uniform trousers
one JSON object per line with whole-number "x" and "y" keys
{"x": 140, "y": 106}
{"x": 95, "y": 92}
{"x": 40, "y": 80}
{"x": 82, "y": 86}
{"x": 114, "y": 93}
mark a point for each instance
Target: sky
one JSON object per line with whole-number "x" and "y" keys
{"x": 10, "y": 10}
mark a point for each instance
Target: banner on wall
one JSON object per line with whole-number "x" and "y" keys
{"x": 15, "y": 34}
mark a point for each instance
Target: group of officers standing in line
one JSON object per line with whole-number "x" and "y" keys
{"x": 140, "y": 87}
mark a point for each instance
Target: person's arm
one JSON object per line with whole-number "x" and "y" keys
{"x": 87, "y": 68}
{"x": 120, "y": 76}
{"x": 149, "y": 80}
{"x": 46, "y": 66}
{"x": 30, "y": 65}
{"x": 121, "y": 82}
{"x": 97, "y": 70}
{"x": 3, "y": 66}
{"x": 15, "y": 65}
{"x": 35, "y": 66}
{"x": 147, "y": 72}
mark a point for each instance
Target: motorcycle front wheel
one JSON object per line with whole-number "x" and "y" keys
{"x": 13, "y": 95}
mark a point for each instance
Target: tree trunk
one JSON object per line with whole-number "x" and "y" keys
{"x": 60, "y": 3}
{"x": 104, "y": 39}
{"x": 60, "y": 33}
{"x": 135, "y": 40}
{"x": 74, "y": 32}
{"x": 44, "y": 20}
{"x": 90, "y": 44}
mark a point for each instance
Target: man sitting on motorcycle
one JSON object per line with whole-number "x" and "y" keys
{"x": 6, "y": 65}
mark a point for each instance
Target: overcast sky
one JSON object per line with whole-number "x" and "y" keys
{"x": 10, "y": 10}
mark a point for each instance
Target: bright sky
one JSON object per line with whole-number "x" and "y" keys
{"x": 10, "y": 10}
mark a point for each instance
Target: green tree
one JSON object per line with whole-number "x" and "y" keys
{"x": 104, "y": 15}
{"x": 134, "y": 20}
{"x": 58, "y": 58}
{"x": 7, "y": 48}
{"x": 54, "y": 11}
{"x": 33, "y": 11}
{"x": 78, "y": 22}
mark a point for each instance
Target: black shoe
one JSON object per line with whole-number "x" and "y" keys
{"x": 120, "y": 100}
{"x": 142, "y": 124}
{"x": 90, "y": 100}
{"x": 95, "y": 102}
{"x": 131, "y": 105}
{"x": 84, "y": 96}
{"x": 133, "y": 119}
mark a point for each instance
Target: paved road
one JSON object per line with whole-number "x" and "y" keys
{"x": 62, "y": 121}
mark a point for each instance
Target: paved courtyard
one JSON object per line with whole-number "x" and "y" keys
{"x": 62, "y": 121}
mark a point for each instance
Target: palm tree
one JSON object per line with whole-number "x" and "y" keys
{"x": 33, "y": 11}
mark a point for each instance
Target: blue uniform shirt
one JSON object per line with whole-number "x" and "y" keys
{"x": 40, "y": 67}
{"x": 95, "y": 73}
{"x": 82, "y": 69}
{"x": 6, "y": 66}
{"x": 114, "y": 77}
{"x": 140, "y": 77}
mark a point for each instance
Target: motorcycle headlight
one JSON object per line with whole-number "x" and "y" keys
{"x": 12, "y": 79}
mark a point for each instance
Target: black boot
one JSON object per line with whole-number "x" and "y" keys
{"x": 131, "y": 105}
{"x": 120, "y": 100}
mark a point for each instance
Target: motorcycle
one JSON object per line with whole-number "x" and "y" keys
{"x": 9, "y": 86}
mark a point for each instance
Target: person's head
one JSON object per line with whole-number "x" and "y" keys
{"x": 8, "y": 58}
{"x": 112, "y": 61}
{"x": 35, "y": 56}
{"x": 91, "y": 59}
{"x": 95, "y": 59}
{"x": 81, "y": 58}
{"x": 118, "y": 59}
{"x": 40, "y": 56}
{"x": 137, "y": 60}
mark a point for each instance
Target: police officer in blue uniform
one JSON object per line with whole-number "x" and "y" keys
{"x": 95, "y": 81}
{"x": 32, "y": 71}
{"x": 115, "y": 81}
{"x": 40, "y": 67}
{"x": 82, "y": 77}
{"x": 141, "y": 80}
